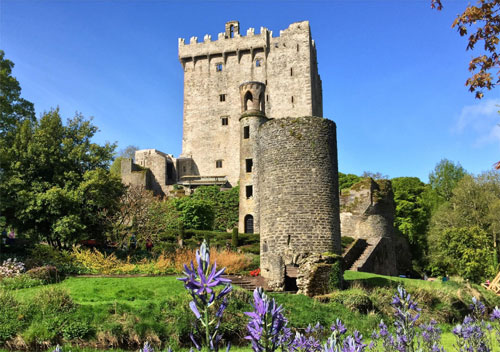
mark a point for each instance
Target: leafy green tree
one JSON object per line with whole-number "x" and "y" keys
{"x": 347, "y": 180}
{"x": 55, "y": 184}
{"x": 445, "y": 177}
{"x": 474, "y": 205}
{"x": 224, "y": 203}
{"x": 467, "y": 251}
{"x": 412, "y": 213}
{"x": 13, "y": 108}
{"x": 196, "y": 214}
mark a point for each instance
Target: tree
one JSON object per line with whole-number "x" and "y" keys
{"x": 145, "y": 215}
{"x": 225, "y": 205}
{"x": 467, "y": 252}
{"x": 55, "y": 184}
{"x": 375, "y": 175}
{"x": 483, "y": 22}
{"x": 474, "y": 208}
{"x": 412, "y": 214}
{"x": 196, "y": 214}
{"x": 128, "y": 152}
{"x": 13, "y": 108}
{"x": 445, "y": 177}
{"x": 347, "y": 180}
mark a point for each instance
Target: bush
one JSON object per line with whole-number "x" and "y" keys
{"x": 77, "y": 329}
{"x": 39, "y": 334}
{"x": 48, "y": 274}
{"x": 11, "y": 316}
{"x": 355, "y": 299}
{"x": 18, "y": 282}
{"x": 234, "y": 237}
{"x": 54, "y": 300}
{"x": 42, "y": 255}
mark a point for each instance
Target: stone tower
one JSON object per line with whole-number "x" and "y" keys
{"x": 213, "y": 71}
{"x": 298, "y": 194}
{"x": 253, "y": 115}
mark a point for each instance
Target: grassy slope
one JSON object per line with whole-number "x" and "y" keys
{"x": 99, "y": 297}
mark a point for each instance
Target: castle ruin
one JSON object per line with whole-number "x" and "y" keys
{"x": 253, "y": 116}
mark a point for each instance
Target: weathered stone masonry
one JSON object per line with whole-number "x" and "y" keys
{"x": 298, "y": 180}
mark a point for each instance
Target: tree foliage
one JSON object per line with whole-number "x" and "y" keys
{"x": 196, "y": 214}
{"x": 445, "y": 177}
{"x": 128, "y": 152}
{"x": 472, "y": 220}
{"x": 54, "y": 182}
{"x": 143, "y": 214}
{"x": 225, "y": 205}
{"x": 347, "y": 180}
{"x": 13, "y": 108}
{"x": 412, "y": 213}
{"x": 481, "y": 24}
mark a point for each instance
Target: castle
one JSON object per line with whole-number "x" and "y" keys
{"x": 253, "y": 116}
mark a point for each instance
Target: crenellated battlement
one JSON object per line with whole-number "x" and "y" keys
{"x": 232, "y": 41}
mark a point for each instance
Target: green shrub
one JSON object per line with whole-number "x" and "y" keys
{"x": 53, "y": 301}
{"x": 11, "y": 316}
{"x": 20, "y": 281}
{"x": 48, "y": 274}
{"x": 355, "y": 299}
{"x": 336, "y": 275}
{"x": 77, "y": 329}
{"x": 42, "y": 255}
{"x": 39, "y": 334}
{"x": 234, "y": 237}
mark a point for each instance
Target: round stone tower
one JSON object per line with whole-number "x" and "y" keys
{"x": 253, "y": 114}
{"x": 298, "y": 192}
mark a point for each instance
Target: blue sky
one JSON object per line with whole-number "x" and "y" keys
{"x": 393, "y": 73}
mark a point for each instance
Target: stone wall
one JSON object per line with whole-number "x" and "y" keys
{"x": 157, "y": 162}
{"x": 298, "y": 180}
{"x": 285, "y": 63}
{"x": 367, "y": 212}
{"x": 133, "y": 175}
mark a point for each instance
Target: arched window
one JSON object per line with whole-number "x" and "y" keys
{"x": 231, "y": 31}
{"x": 248, "y": 96}
{"x": 248, "y": 224}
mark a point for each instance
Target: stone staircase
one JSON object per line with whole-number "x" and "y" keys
{"x": 371, "y": 245}
{"x": 248, "y": 283}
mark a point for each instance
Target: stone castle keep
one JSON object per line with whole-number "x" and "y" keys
{"x": 253, "y": 116}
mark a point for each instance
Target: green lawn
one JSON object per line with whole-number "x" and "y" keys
{"x": 130, "y": 290}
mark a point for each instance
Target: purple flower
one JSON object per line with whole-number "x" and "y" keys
{"x": 201, "y": 283}
{"x": 267, "y": 327}
{"x": 495, "y": 315}
{"x": 147, "y": 348}
{"x": 338, "y": 327}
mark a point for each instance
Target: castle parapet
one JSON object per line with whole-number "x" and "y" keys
{"x": 232, "y": 41}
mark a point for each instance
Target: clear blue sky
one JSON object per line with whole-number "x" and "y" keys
{"x": 393, "y": 73}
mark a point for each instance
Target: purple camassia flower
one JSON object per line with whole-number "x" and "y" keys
{"x": 349, "y": 344}
{"x": 147, "y": 348}
{"x": 495, "y": 315}
{"x": 338, "y": 327}
{"x": 200, "y": 283}
{"x": 471, "y": 334}
{"x": 267, "y": 328}
{"x": 305, "y": 344}
{"x": 431, "y": 336}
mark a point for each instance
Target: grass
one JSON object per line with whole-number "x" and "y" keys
{"x": 126, "y": 311}
{"x": 104, "y": 290}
